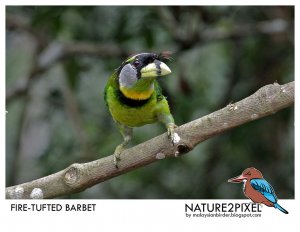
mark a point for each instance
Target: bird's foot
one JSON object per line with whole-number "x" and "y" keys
{"x": 117, "y": 154}
{"x": 171, "y": 133}
{"x": 116, "y": 159}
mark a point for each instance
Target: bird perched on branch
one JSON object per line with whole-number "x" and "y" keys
{"x": 257, "y": 188}
{"x": 134, "y": 97}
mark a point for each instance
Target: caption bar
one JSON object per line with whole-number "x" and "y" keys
{"x": 53, "y": 207}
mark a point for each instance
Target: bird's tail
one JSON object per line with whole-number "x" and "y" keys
{"x": 277, "y": 206}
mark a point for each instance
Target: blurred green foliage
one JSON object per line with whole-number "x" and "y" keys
{"x": 222, "y": 54}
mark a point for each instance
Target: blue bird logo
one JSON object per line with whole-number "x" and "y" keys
{"x": 257, "y": 188}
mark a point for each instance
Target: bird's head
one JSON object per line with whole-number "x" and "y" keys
{"x": 247, "y": 174}
{"x": 137, "y": 74}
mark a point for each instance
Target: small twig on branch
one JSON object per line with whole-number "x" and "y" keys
{"x": 77, "y": 177}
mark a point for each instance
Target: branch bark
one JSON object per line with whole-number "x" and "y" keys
{"x": 77, "y": 177}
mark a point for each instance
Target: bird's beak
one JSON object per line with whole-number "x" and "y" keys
{"x": 237, "y": 179}
{"x": 155, "y": 69}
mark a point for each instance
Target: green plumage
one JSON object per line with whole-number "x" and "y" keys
{"x": 149, "y": 111}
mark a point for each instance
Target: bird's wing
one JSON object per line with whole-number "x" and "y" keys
{"x": 111, "y": 82}
{"x": 262, "y": 186}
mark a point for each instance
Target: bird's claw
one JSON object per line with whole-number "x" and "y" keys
{"x": 117, "y": 155}
{"x": 171, "y": 133}
{"x": 116, "y": 159}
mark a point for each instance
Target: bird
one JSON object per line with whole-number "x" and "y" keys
{"x": 134, "y": 96}
{"x": 257, "y": 189}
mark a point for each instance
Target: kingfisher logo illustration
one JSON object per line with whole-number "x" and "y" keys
{"x": 257, "y": 189}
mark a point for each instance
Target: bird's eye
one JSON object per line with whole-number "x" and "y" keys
{"x": 136, "y": 63}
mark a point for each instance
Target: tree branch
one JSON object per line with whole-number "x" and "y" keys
{"x": 56, "y": 52}
{"x": 270, "y": 27}
{"x": 210, "y": 33}
{"x": 53, "y": 52}
{"x": 77, "y": 177}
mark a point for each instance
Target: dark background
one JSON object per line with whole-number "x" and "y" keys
{"x": 58, "y": 60}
